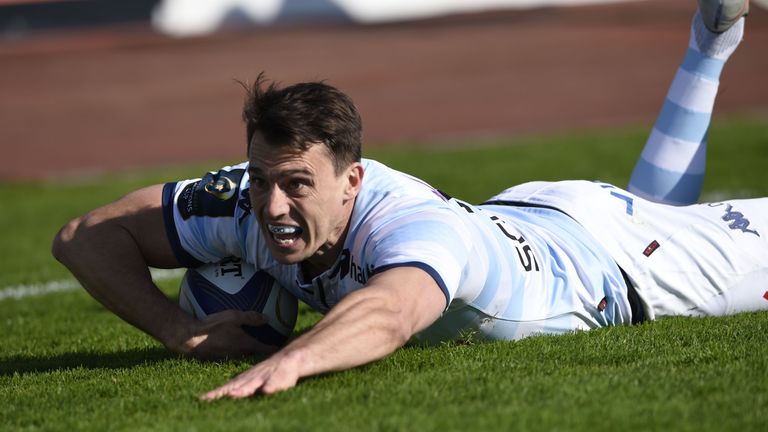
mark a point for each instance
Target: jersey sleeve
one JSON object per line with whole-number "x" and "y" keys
{"x": 433, "y": 240}
{"x": 203, "y": 216}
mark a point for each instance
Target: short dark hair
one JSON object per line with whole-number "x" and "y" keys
{"x": 302, "y": 114}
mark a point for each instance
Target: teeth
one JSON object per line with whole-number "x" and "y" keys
{"x": 285, "y": 242}
{"x": 282, "y": 229}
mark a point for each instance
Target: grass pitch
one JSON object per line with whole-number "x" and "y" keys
{"x": 68, "y": 364}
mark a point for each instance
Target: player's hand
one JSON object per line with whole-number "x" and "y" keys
{"x": 277, "y": 373}
{"x": 220, "y": 335}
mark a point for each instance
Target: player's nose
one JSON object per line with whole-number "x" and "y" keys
{"x": 276, "y": 203}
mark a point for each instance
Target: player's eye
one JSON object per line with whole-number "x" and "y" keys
{"x": 258, "y": 183}
{"x": 296, "y": 186}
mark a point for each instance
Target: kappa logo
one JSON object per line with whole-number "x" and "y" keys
{"x": 244, "y": 204}
{"x": 736, "y": 219}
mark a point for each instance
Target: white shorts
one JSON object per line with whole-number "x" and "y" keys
{"x": 697, "y": 260}
{"x": 714, "y": 263}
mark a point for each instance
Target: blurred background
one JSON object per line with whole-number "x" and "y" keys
{"x": 91, "y": 86}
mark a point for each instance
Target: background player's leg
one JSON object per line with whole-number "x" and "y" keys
{"x": 671, "y": 166}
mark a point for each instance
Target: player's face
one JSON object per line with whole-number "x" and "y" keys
{"x": 303, "y": 207}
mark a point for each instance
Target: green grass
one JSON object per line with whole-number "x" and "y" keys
{"x": 68, "y": 364}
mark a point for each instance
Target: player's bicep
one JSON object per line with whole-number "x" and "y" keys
{"x": 140, "y": 213}
{"x": 433, "y": 242}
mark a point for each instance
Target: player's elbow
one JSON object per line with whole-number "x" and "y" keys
{"x": 74, "y": 236}
{"x": 399, "y": 330}
{"x": 385, "y": 317}
{"x": 65, "y": 240}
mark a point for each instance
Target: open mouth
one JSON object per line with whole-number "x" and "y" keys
{"x": 284, "y": 235}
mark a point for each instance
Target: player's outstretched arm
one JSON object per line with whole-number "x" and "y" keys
{"x": 109, "y": 251}
{"x": 366, "y": 325}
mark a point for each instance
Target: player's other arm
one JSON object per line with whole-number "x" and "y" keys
{"x": 366, "y": 325}
{"x": 109, "y": 251}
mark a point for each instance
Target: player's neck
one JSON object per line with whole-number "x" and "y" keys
{"x": 316, "y": 265}
{"x": 327, "y": 255}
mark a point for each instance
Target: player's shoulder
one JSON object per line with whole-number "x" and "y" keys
{"x": 392, "y": 200}
{"x": 380, "y": 180}
{"x": 220, "y": 193}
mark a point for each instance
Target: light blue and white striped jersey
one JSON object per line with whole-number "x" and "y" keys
{"x": 511, "y": 261}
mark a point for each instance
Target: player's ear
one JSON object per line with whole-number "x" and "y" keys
{"x": 354, "y": 175}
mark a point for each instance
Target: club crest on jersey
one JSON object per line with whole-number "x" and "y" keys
{"x": 221, "y": 188}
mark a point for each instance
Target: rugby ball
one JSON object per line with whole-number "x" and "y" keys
{"x": 233, "y": 284}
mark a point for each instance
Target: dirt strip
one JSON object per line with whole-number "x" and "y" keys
{"x": 119, "y": 98}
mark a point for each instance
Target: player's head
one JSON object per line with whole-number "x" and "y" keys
{"x": 304, "y": 166}
{"x": 299, "y": 116}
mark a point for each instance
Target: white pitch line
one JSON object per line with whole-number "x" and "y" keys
{"x": 30, "y": 290}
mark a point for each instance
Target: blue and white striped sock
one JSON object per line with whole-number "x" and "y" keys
{"x": 671, "y": 166}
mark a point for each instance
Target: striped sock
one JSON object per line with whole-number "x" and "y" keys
{"x": 671, "y": 166}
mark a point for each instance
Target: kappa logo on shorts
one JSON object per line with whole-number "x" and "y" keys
{"x": 736, "y": 219}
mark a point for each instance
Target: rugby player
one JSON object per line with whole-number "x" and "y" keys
{"x": 386, "y": 257}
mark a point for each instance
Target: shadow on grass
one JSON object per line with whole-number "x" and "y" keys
{"x": 86, "y": 360}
